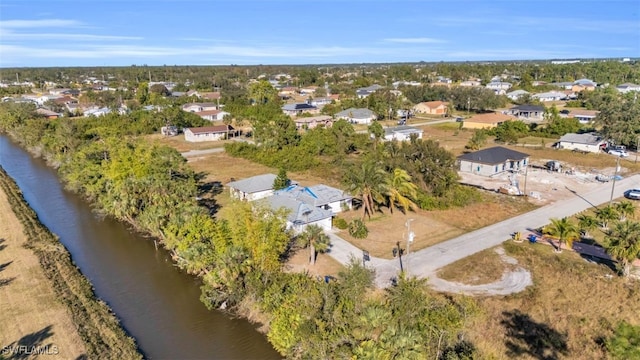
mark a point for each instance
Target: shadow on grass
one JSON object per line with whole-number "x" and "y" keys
{"x": 32, "y": 345}
{"x": 525, "y": 336}
{"x": 7, "y": 281}
{"x": 2, "y": 246}
{"x": 4, "y": 266}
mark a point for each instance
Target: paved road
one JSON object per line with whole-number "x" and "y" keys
{"x": 425, "y": 262}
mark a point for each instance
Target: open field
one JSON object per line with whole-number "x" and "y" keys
{"x": 564, "y": 315}
{"x": 179, "y": 143}
{"x": 30, "y": 313}
{"x": 480, "y": 268}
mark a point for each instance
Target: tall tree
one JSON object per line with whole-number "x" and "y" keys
{"x": 367, "y": 181}
{"x": 282, "y": 180}
{"x": 624, "y": 209}
{"x": 376, "y": 132}
{"x": 316, "y": 240}
{"x": 624, "y": 244}
{"x": 562, "y": 230}
{"x": 586, "y": 224}
{"x": 605, "y": 215}
{"x": 401, "y": 192}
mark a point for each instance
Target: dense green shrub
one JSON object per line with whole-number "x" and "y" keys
{"x": 358, "y": 229}
{"x": 340, "y": 223}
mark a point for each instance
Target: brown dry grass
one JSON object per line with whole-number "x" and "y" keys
{"x": 325, "y": 264}
{"x": 480, "y": 268}
{"x": 179, "y": 143}
{"x": 432, "y": 227}
{"x": 28, "y": 303}
{"x": 572, "y": 301}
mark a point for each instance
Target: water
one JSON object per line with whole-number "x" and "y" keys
{"x": 157, "y": 304}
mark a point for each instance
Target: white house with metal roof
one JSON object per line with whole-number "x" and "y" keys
{"x": 590, "y": 142}
{"x": 253, "y": 188}
{"x": 401, "y": 133}
{"x": 300, "y": 214}
{"x": 357, "y": 115}
{"x": 321, "y": 196}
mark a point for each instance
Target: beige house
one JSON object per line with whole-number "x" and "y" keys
{"x": 431, "y": 108}
{"x": 314, "y": 121}
{"x": 207, "y": 133}
{"x": 486, "y": 121}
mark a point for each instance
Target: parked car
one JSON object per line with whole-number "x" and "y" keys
{"x": 633, "y": 194}
{"x": 621, "y": 153}
{"x": 602, "y": 178}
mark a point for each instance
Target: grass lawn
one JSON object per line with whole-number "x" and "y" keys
{"x": 480, "y": 268}
{"x": 570, "y": 307}
{"x": 432, "y": 227}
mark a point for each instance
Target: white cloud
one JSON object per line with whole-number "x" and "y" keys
{"x": 10, "y": 35}
{"x": 419, "y": 40}
{"x": 43, "y": 23}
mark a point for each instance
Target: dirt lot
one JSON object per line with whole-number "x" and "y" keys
{"x": 30, "y": 314}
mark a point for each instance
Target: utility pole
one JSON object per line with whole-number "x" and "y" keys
{"x": 397, "y": 250}
{"x": 613, "y": 185}
{"x": 637, "y": 148}
{"x": 409, "y": 239}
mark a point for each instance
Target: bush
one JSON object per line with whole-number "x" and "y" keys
{"x": 358, "y": 229}
{"x": 340, "y": 223}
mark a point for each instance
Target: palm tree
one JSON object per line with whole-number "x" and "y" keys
{"x": 625, "y": 209}
{"x": 624, "y": 244}
{"x": 586, "y": 224}
{"x": 562, "y": 230}
{"x": 368, "y": 183}
{"x": 400, "y": 190}
{"x": 316, "y": 240}
{"x": 605, "y": 215}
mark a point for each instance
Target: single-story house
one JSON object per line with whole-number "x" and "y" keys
{"x": 198, "y": 107}
{"x": 402, "y": 133}
{"x": 299, "y": 108}
{"x": 584, "y": 84}
{"x": 583, "y": 115}
{"x": 321, "y": 101}
{"x": 47, "y": 113}
{"x": 484, "y": 121}
{"x": 212, "y": 115}
{"x": 584, "y": 142}
{"x": 498, "y": 85}
{"x": 550, "y": 96}
{"x": 530, "y": 113}
{"x": 470, "y": 83}
{"x": 207, "y": 133}
{"x": 314, "y": 121}
{"x": 627, "y": 87}
{"x": 362, "y": 93}
{"x": 516, "y": 94}
{"x": 357, "y": 115}
{"x": 321, "y": 196}
{"x": 492, "y": 161}
{"x": 431, "y": 107}
{"x": 300, "y": 214}
{"x": 253, "y": 188}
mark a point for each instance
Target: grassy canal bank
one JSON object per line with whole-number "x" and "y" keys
{"x": 46, "y": 304}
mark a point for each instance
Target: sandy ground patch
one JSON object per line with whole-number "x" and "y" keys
{"x": 325, "y": 264}
{"x": 29, "y": 311}
{"x": 512, "y": 281}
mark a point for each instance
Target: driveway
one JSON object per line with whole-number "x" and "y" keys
{"x": 426, "y": 262}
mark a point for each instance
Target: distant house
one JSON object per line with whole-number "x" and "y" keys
{"x": 402, "y": 133}
{"x": 517, "y": 94}
{"x": 357, "y": 115}
{"x": 212, "y": 115}
{"x": 314, "y": 121}
{"x": 627, "y": 87}
{"x": 207, "y": 133}
{"x": 321, "y": 196}
{"x": 47, "y": 113}
{"x": 362, "y": 93}
{"x": 492, "y": 161}
{"x": 321, "y": 101}
{"x": 212, "y": 95}
{"x": 583, "y": 84}
{"x": 499, "y": 87}
{"x": 584, "y": 142}
{"x": 300, "y": 214}
{"x": 549, "y": 96}
{"x": 253, "y": 188}
{"x": 486, "y": 121}
{"x": 470, "y": 83}
{"x": 583, "y": 116}
{"x": 299, "y": 108}
{"x": 529, "y": 113}
{"x": 199, "y": 107}
{"x": 431, "y": 107}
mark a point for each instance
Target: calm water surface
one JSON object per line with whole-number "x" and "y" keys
{"x": 157, "y": 304}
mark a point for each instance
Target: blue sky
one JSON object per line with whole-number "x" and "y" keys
{"x": 38, "y": 33}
